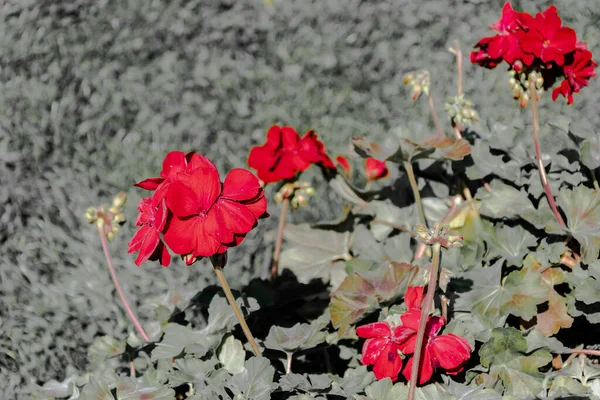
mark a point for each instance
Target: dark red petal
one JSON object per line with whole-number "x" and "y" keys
{"x": 150, "y": 183}
{"x": 450, "y": 350}
{"x": 409, "y": 342}
{"x": 388, "y": 364}
{"x": 343, "y": 162}
{"x": 376, "y": 329}
{"x": 174, "y": 162}
{"x": 235, "y": 216}
{"x": 274, "y": 137}
{"x": 196, "y": 161}
{"x": 434, "y": 325}
{"x": 165, "y": 257}
{"x": 182, "y": 201}
{"x": 241, "y": 185}
{"x": 261, "y": 157}
{"x": 145, "y": 212}
{"x": 565, "y": 40}
{"x": 178, "y": 235}
{"x": 372, "y": 348}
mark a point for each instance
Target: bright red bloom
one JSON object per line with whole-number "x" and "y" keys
{"x": 375, "y": 169}
{"x": 381, "y": 349}
{"x": 151, "y": 220}
{"x": 284, "y": 154}
{"x": 209, "y": 217}
{"x": 197, "y": 214}
{"x": 447, "y": 351}
{"x": 413, "y": 297}
{"x": 545, "y": 37}
{"x": 577, "y": 75}
{"x": 506, "y": 44}
{"x": 343, "y": 162}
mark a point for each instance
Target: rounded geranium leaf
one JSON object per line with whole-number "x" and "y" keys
{"x": 241, "y": 184}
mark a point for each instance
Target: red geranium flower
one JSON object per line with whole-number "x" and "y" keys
{"x": 375, "y": 169}
{"x": 577, "y": 75}
{"x": 343, "y": 162}
{"x": 284, "y": 154}
{"x": 545, "y": 37}
{"x": 506, "y": 44}
{"x": 151, "y": 220}
{"x": 209, "y": 217}
{"x": 447, "y": 351}
{"x": 197, "y": 214}
{"x": 382, "y": 349}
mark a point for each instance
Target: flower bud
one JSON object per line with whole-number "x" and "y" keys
{"x": 90, "y": 215}
{"x": 524, "y": 100}
{"x": 189, "y": 259}
{"x": 100, "y": 223}
{"x": 517, "y": 66}
{"x": 512, "y": 82}
{"x": 110, "y": 236}
{"x": 278, "y": 198}
{"x": 120, "y": 200}
{"x": 539, "y": 82}
{"x": 119, "y": 218}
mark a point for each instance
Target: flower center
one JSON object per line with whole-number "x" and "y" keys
{"x": 546, "y": 43}
{"x": 392, "y": 355}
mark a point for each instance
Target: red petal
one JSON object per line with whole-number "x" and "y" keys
{"x": 136, "y": 241}
{"x": 376, "y": 329}
{"x": 261, "y": 157}
{"x": 205, "y": 184}
{"x": 425, "y": 367}
{"x": 165, "y": 257}
{"x": 240, "y": 185}
{"x": 182, "y": 201}
{"x": 215, "y": 227}
{"x": 388, "y": 364}
{"x": 273, "y": 137}
{"x": 178, "y": 235}
{"x": 148, "y": 245}
{"x": 450, "y": 350}
{"x": 258, "y": 207}
{"x": 174, "y": 162}
{"x": 413, "y": 297}
{"x": 565, "y": 40}
{"x": 205, "y": 245}
{"x": 411, "y": 318}
{"x": 343, "y": 162}
{"x": 289, "y": 138}
{"x": 161, "y": 216}
{"x": 196, "y": 161}
{"x": 150, "y": 183}
{"x": 372, "y": 348}
{"x": 235, "y": 216}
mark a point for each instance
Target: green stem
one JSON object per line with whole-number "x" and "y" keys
{"x": 415, "y": 189}
{"x": 236, "y": 310}
{"x": 288, "y": 364}
{"x": 538, "y": 153}
{"x": 282, "y": 216}
{"x": 427, "y": 305}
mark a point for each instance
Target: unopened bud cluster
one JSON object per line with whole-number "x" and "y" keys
{"x": 297, "y": 192}
{"x": 419, "y": 81}
{"x": 520, "y": 83}
{"x": 108, "y": 219}
{"x": 460, "y": 110}
{"x": 439, "y": 234}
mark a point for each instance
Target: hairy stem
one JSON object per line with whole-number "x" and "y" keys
{"x": 288, "y": 363}
{"x": 392, "y": 225}
{"x": 586, "y": 352}
{"x": 236, "y": 309}
{"x": 282, "y": 216}
{"x": 434, "y": 115}
{"x": 415, "y": 189}
{"x": 132, "y": 369}
{"x": 115, "y": 280}
{"x": 459, "y": 67}
{"x": 427, "y": 304}
{"x": 538, "y": 153}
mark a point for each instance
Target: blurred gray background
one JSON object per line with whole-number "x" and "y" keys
{"x": 93, "y": 93}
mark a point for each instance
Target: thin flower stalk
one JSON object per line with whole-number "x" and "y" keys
{"x": 277, "y": 252}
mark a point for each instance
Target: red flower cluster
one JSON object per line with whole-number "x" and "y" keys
{"x": 386, "y": 347}
{"x": 285, "y": 153}
{"x": 196, "y": 214}
{"x": 541, "y": 44}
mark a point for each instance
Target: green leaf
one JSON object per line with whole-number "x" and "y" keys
{"x": 388, "y": 213}
{"x": 590, "y": 152}
{"x": 588, "y": 291}
{"x": 342, "y": 187}
{"x": 503, "y": 201}
{"x": 221, "y": 317}
{"x": 511, "y": 243}
{"x": 256, "y": 382}
{"x": 563, "y": 386}
{"x": 141, "y": 389}
{"x": 485, "y": 163}
{"x": 96, "y": 390}
{"x": 535, "y": 340}
{"x": 505, "y": 356}
{"x": 464, "y": 392}
{"x": 232, "y": 355}
{"x": 306, "y": 383}
{"x": 354, "y": 381}
{"x": 298, "y": 337}
{"x": 175, "y": 340}
{"x": 493, "y": 298}
{"x": 105, "y": 347}
{"x": 581, "y": 206}
{"x": 314, "y": 253}
{"x": 361, "y": 292}
{"x": 384, "y": 389}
